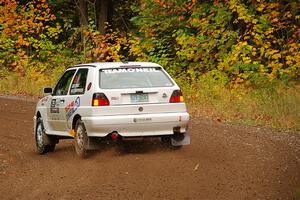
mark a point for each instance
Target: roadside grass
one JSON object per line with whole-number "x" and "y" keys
{"x": 268, "y": 104}
{"x": 298, "y": 192}
{"x": 16, "y": 85}
{"x": 31, "y": 83}
{"x": 273, "y": 105}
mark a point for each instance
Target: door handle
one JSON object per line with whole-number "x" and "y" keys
{"x": 62, "y": 101}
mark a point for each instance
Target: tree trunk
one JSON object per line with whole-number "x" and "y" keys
{"x": 83, "y": 12}
{"x": 101, "y": 7}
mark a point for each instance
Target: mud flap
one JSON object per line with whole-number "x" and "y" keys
{"x": 93, "y": 144}
{"x": 50, "y": 139}
{"x": 46, "y": 139}
{"x": 185, "y": 141}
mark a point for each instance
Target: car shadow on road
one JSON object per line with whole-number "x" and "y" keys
{"x": 130, "y": 147}
{"x": 122, "y": 148}
{"x": 142, "y": 147}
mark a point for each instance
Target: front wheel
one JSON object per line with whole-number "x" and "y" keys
{"x": 80, "y": 139}
{"x": 42, "y": 140}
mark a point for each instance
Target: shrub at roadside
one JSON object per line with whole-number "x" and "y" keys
{"x": 268, "y": 104}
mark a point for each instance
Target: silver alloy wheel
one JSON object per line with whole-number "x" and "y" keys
{"x": 80, "y": 137}
{"x": 39, "y": 135}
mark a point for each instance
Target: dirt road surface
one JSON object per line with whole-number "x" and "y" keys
{"x": 223, "y": 162}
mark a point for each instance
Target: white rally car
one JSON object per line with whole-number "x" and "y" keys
{"x": 115, "y": 101}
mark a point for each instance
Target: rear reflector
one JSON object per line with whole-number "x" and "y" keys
{"x": 99, "y": 99}
{"x": 176, "y": 97}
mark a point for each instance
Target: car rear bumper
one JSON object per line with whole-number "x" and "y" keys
{"x": 136, "y": 125}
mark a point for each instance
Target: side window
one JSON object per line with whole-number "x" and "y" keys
{"x": 79, "y": 82}
{"x": 63, "y": 84}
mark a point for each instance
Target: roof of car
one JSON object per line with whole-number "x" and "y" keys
{"x": 119, "y": 64}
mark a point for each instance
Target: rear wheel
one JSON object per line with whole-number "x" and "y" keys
{"x": 42, "y": 140}
{"x": 80, "y": 139}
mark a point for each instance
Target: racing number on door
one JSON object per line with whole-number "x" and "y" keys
{"x": 58, "y": 100}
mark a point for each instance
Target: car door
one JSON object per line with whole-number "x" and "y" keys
{"x": 75, "y": 96}
{"x": 57, "y": 103}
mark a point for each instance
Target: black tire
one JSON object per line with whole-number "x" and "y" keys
{"x": 80, "y": 139}
{"x": 42, "y": 140}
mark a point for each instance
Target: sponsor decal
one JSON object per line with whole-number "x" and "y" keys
{"x": 89, "y": 86}
{"x": 139, "y": 120}
{"x": 54, "y": 110}
{"x": 54, "y": 107}
{"x": 44, "y": 99}
{"x": 72, "y": 107}
{"x": 129, "y": 70}
{"x": 53, "y": 103}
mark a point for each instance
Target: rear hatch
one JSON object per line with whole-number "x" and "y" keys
{"x": 138, "y": 90}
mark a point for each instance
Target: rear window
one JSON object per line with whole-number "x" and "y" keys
{"x": 146, "y": 77}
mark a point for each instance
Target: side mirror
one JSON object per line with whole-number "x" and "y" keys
{"x": 47, "y": 90}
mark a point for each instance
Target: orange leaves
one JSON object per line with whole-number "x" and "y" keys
{"x": 273, "y": 5}
{"x": 19, "y": 18}
{"x": 20, "y": 41}
{"x": 21, "y": 53}
{"x": 107, "y": 47}
{"x": 180, "y": 18}
{"x": 196, "y": 21}
{"x": 274, "y": 14}
{"x": 22, "y": 27}
{"x": 53, "y": 17}
{"x": 216, "y": 3}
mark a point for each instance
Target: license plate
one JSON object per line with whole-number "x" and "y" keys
{"x": 137, "y": 98}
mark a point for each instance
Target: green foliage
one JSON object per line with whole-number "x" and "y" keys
{"x": 235, "y": 60}
{"x": 298, "y": 192}
{"x": 243, "y": 39}
{"x": 239, "y": 38}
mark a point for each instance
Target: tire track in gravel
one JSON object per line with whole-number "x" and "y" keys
{"x": 223, "y": 162}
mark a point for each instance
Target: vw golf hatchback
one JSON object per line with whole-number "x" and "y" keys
{"x": 111, "y": 101}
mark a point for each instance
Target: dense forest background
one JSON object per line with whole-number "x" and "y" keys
{"x": 236, "y": 60}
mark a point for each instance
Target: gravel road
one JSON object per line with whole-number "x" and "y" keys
{"x": 223, "y": 162}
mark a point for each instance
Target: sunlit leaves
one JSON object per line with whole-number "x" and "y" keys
{"x": 240, "y": 38}
{"x": 26, "y": 32}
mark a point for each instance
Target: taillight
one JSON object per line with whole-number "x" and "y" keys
{"x": 99, "y": 99}
{"x": 176, "y": 97}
